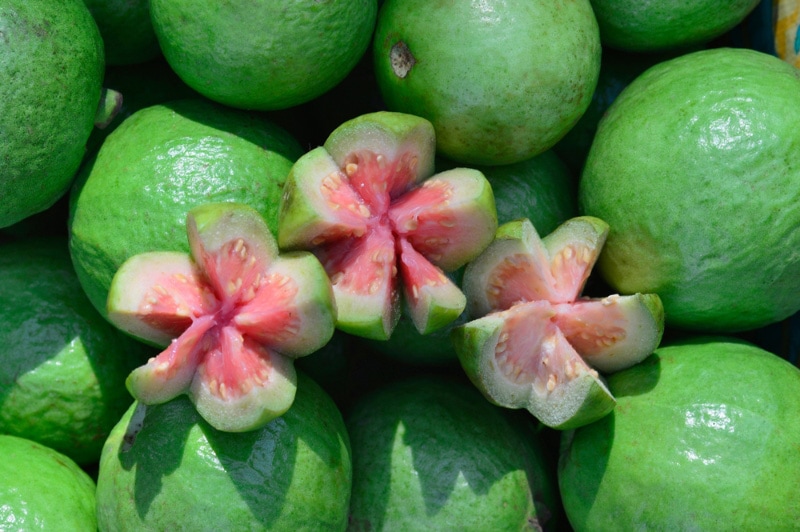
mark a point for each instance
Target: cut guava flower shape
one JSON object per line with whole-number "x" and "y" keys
{"x": 368, "y": 204}
{"x": 233, "y": 316}
{"x": 535, "y": 342}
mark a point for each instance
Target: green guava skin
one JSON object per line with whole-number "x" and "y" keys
{"x": 429, "y": 453}
{"x": 695, "y": 167}
{"x": 42, "y": 489}
{"x": 164, "y": 468}
{"x": 500, "y": 81}
{"x": 657, "y": 25}
{"x": 704, "y": 437}
{"x": 51, "y": 67}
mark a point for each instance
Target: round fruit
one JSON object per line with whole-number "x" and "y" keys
{"x": 232, "y": 316}
{"x": 165, "y": 468}
{"x": 500, "y": 81}
{"x": 666, "y": 24}
{"x": 430, "y": 453}
{"x": 162, "y": 161}
{"x": 263, "y": 55}
{"x": 704, "y": 437}
{"x": 62, "y": 366}
{"x": 540, "y": 189}
{"x": 126, "y": 30}
{"x": 366, "y": 203}
{"x": 534, "y": 337}
{"x": 51, "y": 71}
{"x": 41, "y": 489}
{"x": 696, "y": 169}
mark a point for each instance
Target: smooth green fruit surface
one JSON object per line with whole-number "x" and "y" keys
{"x": 696, "y": 169}
{"x": 164, "y": 468}
{"x": 41, "y": 489}
{"x": 704, "y": 437}
{"x": 501, "y": 81}
{"x": 653, "y": 25}
{"x": 62, "y": 366}
{"x": 263, "y": 55}
{"x": 432, "y": 454}
{"x": 51, "y": 71}
{"x": 162, "y": 161}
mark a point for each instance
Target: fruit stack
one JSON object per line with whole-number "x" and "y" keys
{"x": 399, "y": 265}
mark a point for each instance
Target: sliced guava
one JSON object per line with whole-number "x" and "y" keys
{"x": 533, "y": 340}
{"x": 385, "y": 228}
{"x": 232, "y": 316}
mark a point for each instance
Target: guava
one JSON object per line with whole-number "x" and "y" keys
{"x": 501, "y": 81}
{"x": 43, "y": 489}
{"x": 534, "y": 342}
{"x": 430, "y": 453}
{"x": 704, "y": 437}
{"x": 165, "y": 468}
{"x": 51, "y": 75}
{"x": 233, "y": 315}
{"x": 368, "y": 205}
{"x": 696, "y": 168}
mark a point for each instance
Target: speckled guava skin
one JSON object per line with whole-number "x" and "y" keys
{"x": 704, "y": 437}
{"x": 501, "y": 81}
{"x": 696, "y": 169}
{"x": 164, "y": 468}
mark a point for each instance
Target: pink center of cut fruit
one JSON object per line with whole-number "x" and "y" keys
{"x": 230, "y": 317}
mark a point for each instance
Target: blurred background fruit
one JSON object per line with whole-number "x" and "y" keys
{"x": 51, "y": 71}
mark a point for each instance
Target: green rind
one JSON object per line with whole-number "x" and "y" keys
{"x": 644, "y": 329}
{"x": 473, "y": 200}
{"x": 253, "y": 409}
{"x": 218, "y": 223}
{"x": 304, "y": 213}
{"x": 437, "y": 306}
{"x": 579, "y": 402}
{"x": 588, "y": 230}
{"x": 387, "y": 133}
{"x": 511, "y": 238}
{"x": 314, "y": 305}
{"x": 129, "y": 285}
{"x": 370, "y": 317}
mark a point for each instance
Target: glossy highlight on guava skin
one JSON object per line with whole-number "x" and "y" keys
{"x": 234, "y": 315}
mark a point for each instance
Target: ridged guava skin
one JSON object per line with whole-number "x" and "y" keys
{"x": 233, "y": 316}
{"x": 164, "y": 468}
{"x": 385, "y": 227}
{"x": 429, "y": 453}
{"x": 659, "y": 25}
{"x": 695, "y": 167}
{"x": 501, "y": 81}
{"x": 704, "y": 437}
{"x": 51, "y": 72}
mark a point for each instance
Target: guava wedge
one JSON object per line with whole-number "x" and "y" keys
{"x": 385, "y": 227}
{"x": 534, "y": 341}
{"x": 232, "y": 315}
